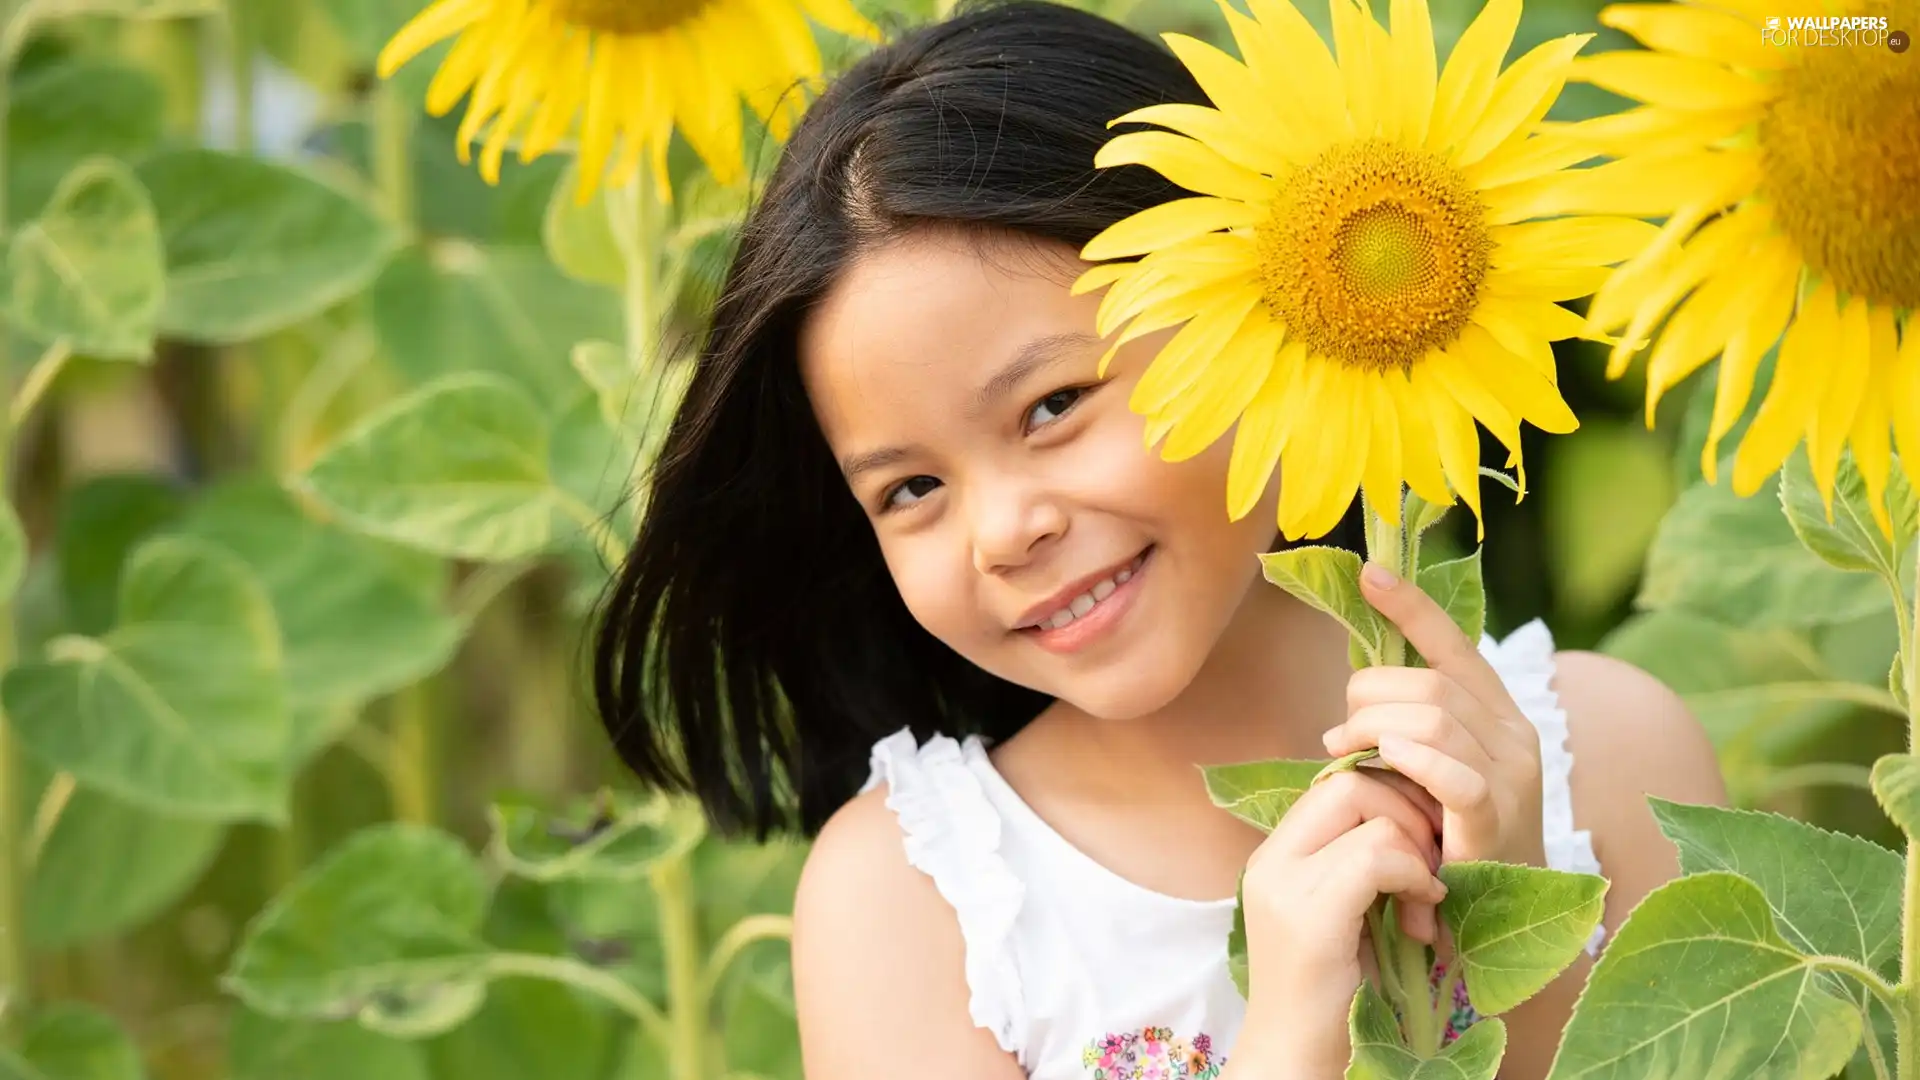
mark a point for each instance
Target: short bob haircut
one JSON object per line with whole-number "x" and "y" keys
{"x": 753, "y": 646}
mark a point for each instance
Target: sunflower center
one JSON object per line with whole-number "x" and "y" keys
{"x": 1841, "y": 146}
{"x": 627, "y": 16}
{"x": 1374, "y": 254}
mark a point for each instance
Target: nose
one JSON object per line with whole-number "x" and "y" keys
{"x": 1011, "y": 522}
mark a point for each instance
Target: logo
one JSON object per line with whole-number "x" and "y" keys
{"x": 1831, "y": 31}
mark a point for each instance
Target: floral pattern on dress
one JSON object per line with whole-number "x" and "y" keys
{"x": 1152, "y": 1053}
{"x": 1463, "y": 1015}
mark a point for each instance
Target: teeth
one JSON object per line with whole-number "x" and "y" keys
{"x": 1105, "y": 588}
{"x": 1060, "y": 618}
{"x": 1081, "y": 604}
{"x": 1123, "y": 577}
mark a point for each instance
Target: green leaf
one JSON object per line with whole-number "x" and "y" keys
{"x": 1897, "y": 682}
{"x": 458, "y": 467}
{"x": 579, "y": 238}
{"x": 1379, "y": 1053}
{"x": 1238, "y": 965}
{"x": 267, "y": 1048}
{"x": 1896, "y": 785}
{"x": 1691, "y": 438}
{"x": 618, "y": 836}
{"x": 1830, "y": 893}
{"x": 384, "y": 929}
{"x": 1328, "y": 579}
{"x": 1738, "y": 561}
{"x": 455, "y": 308}
{"x": 67, "y": 111}
{"x": 120, "y": 9}
{"x": 1259, "y": 792}
{"x": 592, "y": 465}
{"x": 155, "y": 860}
{"x": 101, "y": 521}
{"x": 253, "y": 246}
{"x": 367, "y": 25}
{"x": 69, "y": 1041}
{"x": 1699, "y": 983}
{"x": 1421, "y": 515}
{"x": 1516, "y": 928}
{"x": 13, "y": 552}
{"x": 1852, "y": 540}
{"x": 527, "y": 1028}
{"x": 89, "y": 270}
{"x": 1456, "y": 586}
{"x": 144, "y": 715}
{"x": 639, "y": 405}
{"x": 761, "y": 1025}
{"x": 1603, "y": 492}
{"x": 354, "y": 620}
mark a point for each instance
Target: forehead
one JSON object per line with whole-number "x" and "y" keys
{"x": 921, "y": 322}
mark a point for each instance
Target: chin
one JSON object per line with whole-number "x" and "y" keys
{"x": 1132, "y": 691}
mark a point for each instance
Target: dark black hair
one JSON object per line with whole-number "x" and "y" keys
{"x": 754, "y": 646}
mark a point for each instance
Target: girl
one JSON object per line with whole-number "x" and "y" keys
{"x": 898, "y": 509}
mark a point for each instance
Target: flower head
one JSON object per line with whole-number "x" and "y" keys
{"x": 619, "y": 75}
{"x": 1358, "y": 277}
{"x": 1785, "y": 161}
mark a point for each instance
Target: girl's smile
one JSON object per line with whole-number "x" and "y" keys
{"x": 1083, "y": 612}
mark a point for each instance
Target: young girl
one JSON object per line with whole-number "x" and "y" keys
{"x": 910, "y": 582}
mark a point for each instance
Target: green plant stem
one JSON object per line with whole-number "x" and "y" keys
{"x": 1906, "y": 1011}
{"x": 14, "y": 976}
{"x": 687, "y": 1002}
{"x": 747, "y": 931}
{"x": 639, "y": 224}
{"x": 241, "y": 48}
{"x": 394, "y": 119}
{"x": 39, "y": 378}
{"x": 411, "y": 780}
{"x": 571, "y": 972}
{"x": 46, "y": 816}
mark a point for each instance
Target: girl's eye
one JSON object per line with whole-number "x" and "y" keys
{"x": 919, "y": 487}
{"x": 1054, "y": 406}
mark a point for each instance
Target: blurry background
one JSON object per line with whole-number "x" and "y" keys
{"x": 325, "y": 255}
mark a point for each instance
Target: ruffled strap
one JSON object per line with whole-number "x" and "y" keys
{"x": 1525, "y": 663}
{"x": 952, "y": 834}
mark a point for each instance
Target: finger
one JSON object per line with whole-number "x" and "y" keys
{"x": 1344, "y": 802}
{"x": 1369, "y": 862}
{"x": 1461, "y": 788}
{"x": 1420, "y": 797}
{"x": 1409, "y": 686}
{"x": 1432, "y": 632}
{"x": 1420, "y": 921}
{"x": 1425, "y": 724}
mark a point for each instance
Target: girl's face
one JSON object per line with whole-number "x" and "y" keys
{"x": 1023, "y": 519}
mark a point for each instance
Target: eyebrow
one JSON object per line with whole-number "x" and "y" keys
{"x": 1039, "y": 353}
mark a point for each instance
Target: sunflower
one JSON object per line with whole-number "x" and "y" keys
{"x": 630, "y": 70}
{"x": 1357, "y": 279}
{"x": 1786, "y": 165}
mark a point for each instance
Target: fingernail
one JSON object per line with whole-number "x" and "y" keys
{"x": 1379, "y": 576}
{"x": 1392, "y": 748}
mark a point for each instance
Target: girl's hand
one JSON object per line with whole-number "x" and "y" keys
{"x": 1349, "y": 840}
{"x": 1450, "y": 727}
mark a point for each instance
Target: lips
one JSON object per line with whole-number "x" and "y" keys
{"x": 1082, "y": 597}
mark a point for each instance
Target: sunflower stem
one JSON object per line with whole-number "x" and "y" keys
{"x": 688, "y": 997}
{"x": 639, "y": 227}
{"x": 241, "y": 48}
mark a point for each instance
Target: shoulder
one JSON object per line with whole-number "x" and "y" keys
{"x": 879, "y": 964}
{"x": 1631, "y": 737}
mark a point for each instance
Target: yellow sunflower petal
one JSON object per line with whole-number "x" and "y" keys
{"x": 1722, "y": 242}
{"x": 1466, "y": 84}
{"x": 1419, "y": 445}
{"x": 1791, "y": 401}
{"x": 1226, "y": 81}
{"x": 1168, "y": 223}
{"x": 1095, "y": 278}
{"x": 1262, "y": 433}
{"x": 1518, "y": 326}
{"x": 1453, "y": 369}
{"x": 841, "y": 17}
{"x": 1520, "y": 160}
{"x": 1226, "y": 389}
{"x": 427, "y": 29}
{"x": 1521, "y": 97}
{"x": 1637, "y": 186}
{"x": 1904, "y": 399}
{"x": 1412, "y": 60}
{"x": 1699, "y": 330}
{"x": 1292, "y": 54}
{"x": 1353, "y": 42}
{"x": 1458, "y": 442}
{"x": 1381, "y": 472}
{"x": 1547, "y": 283}
{"x": 1579, "y": 241}
{"x": 1192, "y": 351}
{"x": 1700, "y": 33}
{"x": 1775, "y": 284}
{"x": 1677, "y": 81}
{"x": 600, "y": 121}
{"x": 464, "y": 63}
{"x": 1870, "y": 439}
{"x": 1654, "y": 129}
{"x": 1847, "y": 361}
{"x": 1189, "y": 163}
{"x": 564, "y": 95}
{"x": 1343, "y": 461}
{"x": 1311, "y": 452}
{"x": 1254, "y": 148}
{"x": 1527, "y": 392}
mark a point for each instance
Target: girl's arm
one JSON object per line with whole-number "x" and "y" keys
{"x": 879, "y": 966}
{"x": 1630, "y": 737}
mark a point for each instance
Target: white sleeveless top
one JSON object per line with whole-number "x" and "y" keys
{"x": 1082, "y": 974}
